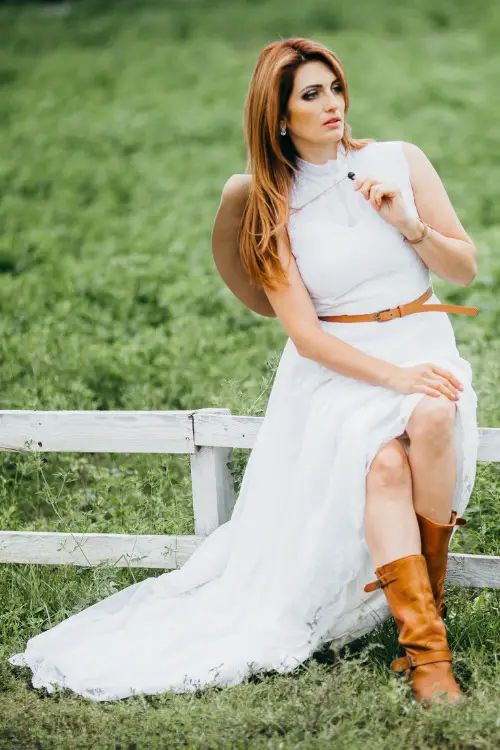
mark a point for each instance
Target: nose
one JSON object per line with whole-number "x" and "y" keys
{"x": 333, "y": 103}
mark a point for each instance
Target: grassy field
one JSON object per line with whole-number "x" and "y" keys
{"x": 120, "y": 122}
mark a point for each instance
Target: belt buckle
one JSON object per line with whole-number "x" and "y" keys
{"x": 379, "y": 313}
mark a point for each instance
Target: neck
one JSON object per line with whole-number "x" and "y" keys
{"x": 322, "y": 156}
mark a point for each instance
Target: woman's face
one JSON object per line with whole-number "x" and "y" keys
{"x": 316, "y": 97}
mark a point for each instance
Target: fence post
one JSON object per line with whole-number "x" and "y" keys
{"x": 212, "y": 483}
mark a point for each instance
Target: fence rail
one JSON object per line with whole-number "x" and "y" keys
{"x": 208, "y": 436}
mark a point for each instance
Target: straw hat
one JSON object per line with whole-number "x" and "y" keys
{"x": 225, "y": 246}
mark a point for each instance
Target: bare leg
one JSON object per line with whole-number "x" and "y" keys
{"x": 431, "y": 455}
{"x": 391, "y": 527}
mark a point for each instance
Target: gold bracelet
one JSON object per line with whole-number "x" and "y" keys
{"x": 426, "y": 230}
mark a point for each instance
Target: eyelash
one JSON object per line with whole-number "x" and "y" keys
{"x": 308, "y": 98}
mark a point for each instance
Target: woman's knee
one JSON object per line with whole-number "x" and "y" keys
{"x": 390, "y": 465}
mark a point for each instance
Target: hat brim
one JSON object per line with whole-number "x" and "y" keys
{"x": 225, "y": 247}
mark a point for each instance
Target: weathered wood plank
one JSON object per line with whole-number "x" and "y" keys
{"x": 476, "y": 571}
{"x": 97, "y": 431}
{"x": 150, "y": 431}
{"x": 232, "y": 430}
{"x": 489, "y": 444}
{"x": 119, "y": 550}
{"x": 212, "y": 483}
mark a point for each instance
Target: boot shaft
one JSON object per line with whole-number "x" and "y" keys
{"x": 408, "y": 590}
{"x": 435, "y": 544}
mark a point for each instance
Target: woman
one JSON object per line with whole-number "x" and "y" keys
{"x": 331, "y": 488}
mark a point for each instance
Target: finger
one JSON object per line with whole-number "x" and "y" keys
{"x": 359, "y": 182}
{"x": 367, "y": 184}
{"x": 428, "y": 391}
{"x": 449, "y": 388}
{"x": 450, "y": 378}
{"x": 364, "y": 183}
{"x": 444, "y": 388}
{"x": 376, "y": 195}
{"x": 382, "y": 189}
{"x": 443, "y": 384}
{"x": 366, "y": 189}
{"x": 447, "y": 374}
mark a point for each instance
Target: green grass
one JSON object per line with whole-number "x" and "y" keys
{"x": 120, "y": 122}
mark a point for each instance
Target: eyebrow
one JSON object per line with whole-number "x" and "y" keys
{"x": 317, "y": 85}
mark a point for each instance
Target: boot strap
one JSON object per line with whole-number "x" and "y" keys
{"x": 382, "y": 581}
{"x": 425, "y": 657}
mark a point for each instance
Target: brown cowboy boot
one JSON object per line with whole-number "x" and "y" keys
{"x": 435, "y": 542}
{"x": 422, "y": 633}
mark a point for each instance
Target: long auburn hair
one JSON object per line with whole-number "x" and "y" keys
{"x": 271, "y": 157}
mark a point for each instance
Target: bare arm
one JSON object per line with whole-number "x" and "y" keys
{"x": 448, "y": 251}
{"x": 295, "y": 310}
{"x": 336, "y": 354}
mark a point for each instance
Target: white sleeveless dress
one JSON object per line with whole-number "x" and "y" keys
{"x": 286, "y": 573}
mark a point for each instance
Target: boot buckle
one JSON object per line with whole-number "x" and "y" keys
{"x": 402, "y": 664}
{"x": 382, "y": 580}
{"x": 409, "y": 661}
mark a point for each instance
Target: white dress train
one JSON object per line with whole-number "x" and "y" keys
{"x": 286, "y": 573}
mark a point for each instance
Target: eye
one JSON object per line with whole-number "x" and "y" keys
{"x": 307, "y": 97}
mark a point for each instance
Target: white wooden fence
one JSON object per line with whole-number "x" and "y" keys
{"x": 208, "y": 436}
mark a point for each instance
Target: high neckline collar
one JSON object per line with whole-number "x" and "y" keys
{"x": 328, "y": 168}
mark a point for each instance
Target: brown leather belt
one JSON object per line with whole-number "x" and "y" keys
{"x": 397, "y": 312}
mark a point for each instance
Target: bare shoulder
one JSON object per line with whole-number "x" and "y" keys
{"x": 411, "y": 149}
{"x": 416, "y": 158}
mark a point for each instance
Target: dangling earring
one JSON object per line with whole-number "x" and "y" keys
{"x": 283, "y": 130}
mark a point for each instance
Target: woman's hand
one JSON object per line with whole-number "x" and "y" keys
{"x": 386, "y": 199}
{"x": 425, "y": 378}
